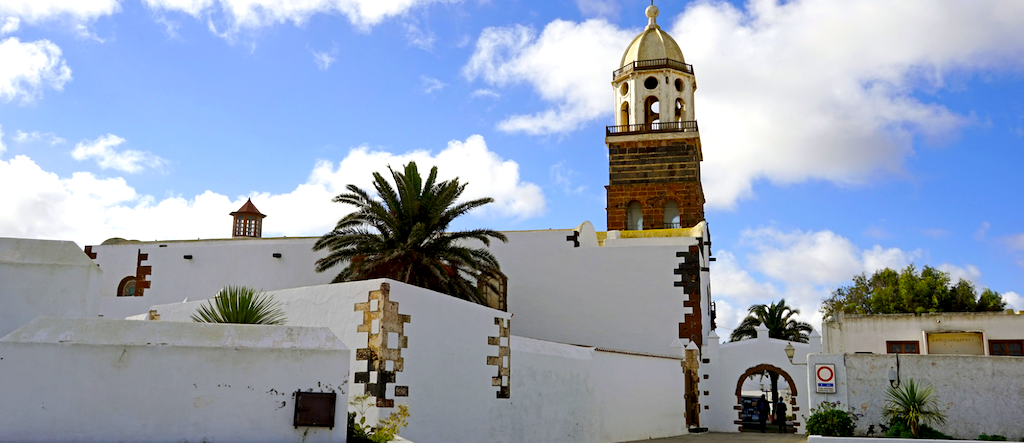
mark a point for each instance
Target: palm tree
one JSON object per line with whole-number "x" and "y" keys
{"x": 240, "y": 304}
{"x": 403, "y": 237}
{"x": 778, "y": 318}
{"x": 913, "y": 406}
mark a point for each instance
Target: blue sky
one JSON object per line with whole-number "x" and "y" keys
{"x": 839, "y": 137}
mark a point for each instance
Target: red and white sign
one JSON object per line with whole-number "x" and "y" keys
{"x": 825, "y": 378}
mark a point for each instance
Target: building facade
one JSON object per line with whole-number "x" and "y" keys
{"x": 943, "y": 333}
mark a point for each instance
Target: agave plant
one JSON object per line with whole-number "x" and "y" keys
{"x": 912, "y": 405}
{"x": 240, "y": 304}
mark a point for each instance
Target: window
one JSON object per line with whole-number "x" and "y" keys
{"x": 651, "y": 83}
{"x": 127, "y": 287}
{"x": 1006, "y": 347}
{"x": 652, "y": 112}
{"x": 625, "y": 114}
{"x": 902, "y": 347}
{"x": 634, "y": 216}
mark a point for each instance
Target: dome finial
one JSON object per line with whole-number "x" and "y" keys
{"x": 652, "y": 15}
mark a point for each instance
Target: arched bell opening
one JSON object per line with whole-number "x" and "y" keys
{"x": 652, "y": 112}
{"x": 671, "y": 219}
{"x": 634, "y": 216}
{"x": 624, "y": 114}
{"x": 680, "y": 110}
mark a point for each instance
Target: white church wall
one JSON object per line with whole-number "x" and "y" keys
{"x": 214, "y": 264}
{"x": 450, "y": 392}
{"x": 612, "y": 297}
{"x": 978, "y": 394}
{"x": 726, "y": 365}
{"x": 45, "y": 278}
{"x": 565, "y": 393}
{"x": 100, "y": 380}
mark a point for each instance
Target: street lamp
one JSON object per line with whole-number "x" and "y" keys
{"x": 790, "y": 350}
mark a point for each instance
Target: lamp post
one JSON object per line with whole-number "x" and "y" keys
{"x": 790, "y": 351}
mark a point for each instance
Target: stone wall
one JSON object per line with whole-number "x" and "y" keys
{"x": 654, "y": 172}
{"x": 978, "y": 394}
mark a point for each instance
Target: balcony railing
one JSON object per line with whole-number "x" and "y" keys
{"x": 688, "y": 126}
{"x": 658, "y": 63}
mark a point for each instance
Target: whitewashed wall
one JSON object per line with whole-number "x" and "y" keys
{"x": 621, "y": 296}
{"x": 850, "y": 333}
{"x": 563, "y": 393}
{"x": 613, "y": 297}
{"x": 978, "y": 394}
{"x": 99, "y": 380}
{"x": 451, "y": 397}
{"x": 214, "y": 264}
{"x": 594, "y": 396}
{"x": 728, "y": 362}
{"x": 45, "y": 278}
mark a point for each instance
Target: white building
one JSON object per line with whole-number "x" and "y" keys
{"x": 944, "y": 333}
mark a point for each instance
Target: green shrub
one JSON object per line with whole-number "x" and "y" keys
{"x": 899, "y": 429}
{"x": 986, "y": 437}
{"x": 912, "y": 405}
{"x": 386, "y": 429}
{"x": 830, "y": 421}
{"x": 242, "y": 305}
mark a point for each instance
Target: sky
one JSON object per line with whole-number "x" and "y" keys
{"x": 838, "y": 137}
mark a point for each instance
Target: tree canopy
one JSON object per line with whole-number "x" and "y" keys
{"x": 403, "y": 236}
{"x": 778, "y": 318}
{"x": 908, "y": 291}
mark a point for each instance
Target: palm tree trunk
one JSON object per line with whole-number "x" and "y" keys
{"x": 775, "y": 393}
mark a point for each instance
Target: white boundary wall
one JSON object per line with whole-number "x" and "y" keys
{"x": 45, "y": 278}
{"x": 563, "y": 393}
{"x": 978, "y": 394}
{"x": 559, "y": 392}
{"x": 99, "y": 380}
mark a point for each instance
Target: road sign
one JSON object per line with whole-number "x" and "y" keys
{"x": 825, "y": 378}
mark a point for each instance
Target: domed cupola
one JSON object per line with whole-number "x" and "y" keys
{"x": 653, "y": 85}
{"x": 653, "y": 43}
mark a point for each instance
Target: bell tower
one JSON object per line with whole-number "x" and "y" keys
{"x": 654, "y": 147}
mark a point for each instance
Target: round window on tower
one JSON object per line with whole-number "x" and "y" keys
{"x": 679, "y": 85}
{"x": 651, "y": 83}
{"x": 624, "y": 89}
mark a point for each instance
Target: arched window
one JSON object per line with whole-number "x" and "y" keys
{"x": 671, "y": 215}
{"x": 624, "y": 114}
{"x": 652, "y": 112}
{"x": 127, "y": 287}
{"x": 634, "y": 216}
{"x": 680, "y": 110}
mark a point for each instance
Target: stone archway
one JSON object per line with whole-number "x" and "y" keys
{"x": 793, "y": 408}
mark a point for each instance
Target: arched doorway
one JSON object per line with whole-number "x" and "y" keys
{"x": 743, "y": 418}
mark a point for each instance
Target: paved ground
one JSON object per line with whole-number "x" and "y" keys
{"x": 743, "y": 437}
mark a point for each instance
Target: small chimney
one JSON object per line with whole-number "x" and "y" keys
{"x": 248, "y": 222}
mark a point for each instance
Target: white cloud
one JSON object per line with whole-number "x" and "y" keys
{"x": 128, "y": 160}
{"x": 431, "y": 85}
{"x": 598, "y": 8}
{"x": 418, "y": 37}
{"x": 27, "y": 68}
{"x": 9, "y": 25}
{"x": 979, "y": 235}
{"x": 36, "y": 136}
{"x": 2, "y": 147}
{"x": 88, "y": 209}
{"x": 1013, "y": 300}
{"x": 969, "y": 272}
{"x": 878, "y": 258}
{"x": 568, "y": 64}
{"x": 74, "y": 10}
{"x": 1015, "y": 241}
{"x": 803, "y": 257}
{"x": 323, "y": 60}
{"x": 564, "y": 177}
{"x": 251, "y": 14}
{"x": 790, "y": 92}
{"x": 484, "y": 93}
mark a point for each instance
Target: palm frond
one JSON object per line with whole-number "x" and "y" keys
{"x": 240, "y": 304}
